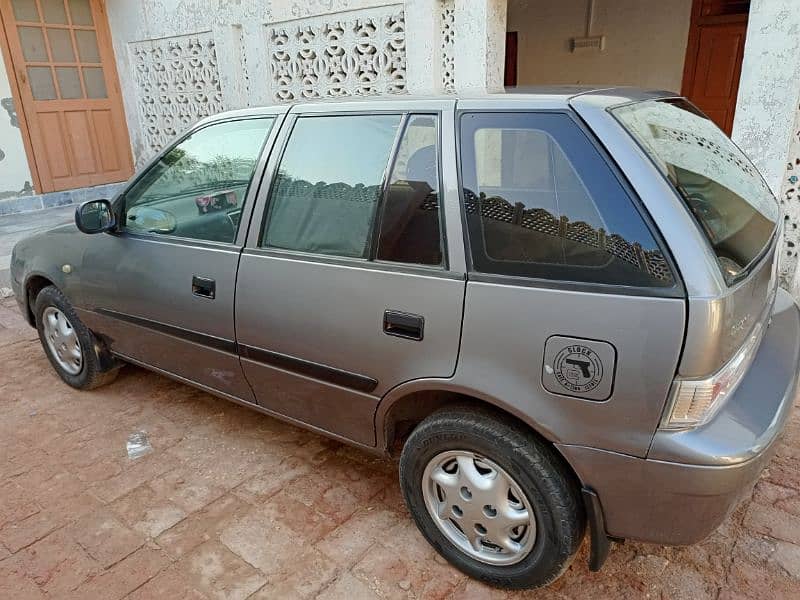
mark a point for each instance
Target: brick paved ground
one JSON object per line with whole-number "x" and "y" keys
{"x": 232, "y": 504}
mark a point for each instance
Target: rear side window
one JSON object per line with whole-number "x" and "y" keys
{"x": 340, "y": 191}
{"x": 541, "y": 202}
{"x": 409, "y": 224}
{"x": 329, "y": 182}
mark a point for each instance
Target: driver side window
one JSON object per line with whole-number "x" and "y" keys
{"x": 197, "y": 189}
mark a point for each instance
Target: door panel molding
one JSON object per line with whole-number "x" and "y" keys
{"x": 201, "y": 339}
{"x": 339, "y": 377}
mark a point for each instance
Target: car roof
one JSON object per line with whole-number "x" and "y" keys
{"x": 536, "y": 97}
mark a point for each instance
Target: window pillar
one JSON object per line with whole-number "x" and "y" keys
{"x": 480, "y": 44}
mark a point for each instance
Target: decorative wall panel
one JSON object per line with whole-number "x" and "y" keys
{"x": 177, "y": 84}
{"x": 448, "y": 45}
{"x": 347, "y": 54}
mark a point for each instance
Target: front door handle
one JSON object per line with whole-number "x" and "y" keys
{"x": 204, "y": 287}
{"x": 404, "y": 325}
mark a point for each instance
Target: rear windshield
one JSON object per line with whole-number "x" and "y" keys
{"x": 721, "y": 187}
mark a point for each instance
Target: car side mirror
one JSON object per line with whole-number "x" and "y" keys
{"x": 95, "y": 216}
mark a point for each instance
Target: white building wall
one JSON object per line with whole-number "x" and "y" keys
{"x": 15, "y": 176}
{"x": 645, "y": 42}
{"x": 182, "y": 60}
{"x": 767, "y": 114}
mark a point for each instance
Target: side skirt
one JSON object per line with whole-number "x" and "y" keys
{"x": 370, "y": 449}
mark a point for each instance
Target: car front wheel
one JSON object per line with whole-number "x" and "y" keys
{"x": 491, "y": 498}
{"x": 68, "y": 344}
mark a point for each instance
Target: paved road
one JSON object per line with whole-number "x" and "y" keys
{"x": 15, "y": 227}
{"x": 233, "y": 504}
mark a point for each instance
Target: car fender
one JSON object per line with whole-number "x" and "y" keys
{"x": 449, "y": 385}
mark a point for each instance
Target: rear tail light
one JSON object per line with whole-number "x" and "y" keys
{"x": 694, "y": 402}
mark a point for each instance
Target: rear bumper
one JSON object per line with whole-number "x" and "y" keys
{"x": 691, "y": 480}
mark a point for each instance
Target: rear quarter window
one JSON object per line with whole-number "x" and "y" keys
{"x": 541, "y": 202}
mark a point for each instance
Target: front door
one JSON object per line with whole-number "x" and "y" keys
{"x": 343, "y": 289}
{"x": 160, "y": 290}
{"x": 68, "y": 92}
{"x": 714, "y": 58}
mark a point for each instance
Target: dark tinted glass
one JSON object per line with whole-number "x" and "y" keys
{"x": 409, "y": 227}
{"x": 197, "y": 189}
{"x": 325, "y": 195}
{"x": 542, "y": 202}
{"x": 720, "y": 186}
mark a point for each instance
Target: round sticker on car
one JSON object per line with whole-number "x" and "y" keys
{"x": 578, "y": 368}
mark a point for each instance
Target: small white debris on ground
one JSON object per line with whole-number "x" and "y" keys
{"x": 138, "y": 445}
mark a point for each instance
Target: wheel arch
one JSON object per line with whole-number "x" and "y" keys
{"x": 34, "y": 284}
{"x": 403, "y": 407}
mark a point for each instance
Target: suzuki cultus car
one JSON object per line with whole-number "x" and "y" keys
{"x": 560, "y": 309}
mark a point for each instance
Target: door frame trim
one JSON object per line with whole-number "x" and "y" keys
{"x": 19, "y": 107}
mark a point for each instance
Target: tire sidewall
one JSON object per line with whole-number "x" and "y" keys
{"x": 523, "y": 462}
{"x": 52, "y": 297}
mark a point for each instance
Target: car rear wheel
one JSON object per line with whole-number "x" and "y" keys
{"x": 68, "y": 344}
{"x": 491, "y": 498}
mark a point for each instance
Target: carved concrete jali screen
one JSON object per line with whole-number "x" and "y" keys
{"x": 354, "y": 53}
{"x": 177, "y": 83}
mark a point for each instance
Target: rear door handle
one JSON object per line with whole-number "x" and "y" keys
{"x": 404, "y": 325}
{"x": 204, "y": 287}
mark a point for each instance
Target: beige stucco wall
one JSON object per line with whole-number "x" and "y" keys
{"x": 15, "y": 177}
{"x": 645, "y": 42}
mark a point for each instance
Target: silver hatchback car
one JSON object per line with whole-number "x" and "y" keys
{"x": 560, "y": 308}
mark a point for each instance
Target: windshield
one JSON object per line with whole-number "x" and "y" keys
{"x": 721, "y": 187}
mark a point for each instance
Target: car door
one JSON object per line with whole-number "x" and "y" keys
{"x": 161, "y": 288}
{"x": 344, "y": 287}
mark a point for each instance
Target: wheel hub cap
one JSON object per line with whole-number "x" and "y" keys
{"x": 62, "y": 340}
{"x": 479, "y": 507}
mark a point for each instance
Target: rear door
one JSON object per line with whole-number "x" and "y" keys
{"x": 344, "y": 289}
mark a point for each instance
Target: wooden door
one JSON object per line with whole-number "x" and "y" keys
{"x": 510, "y": 67}
{"x": 714, "y": 58}
{"x": 68, "y": 92}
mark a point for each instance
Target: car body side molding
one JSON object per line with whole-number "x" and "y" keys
{"x": 347, "y": 379}
{"x": 339, "y": 377}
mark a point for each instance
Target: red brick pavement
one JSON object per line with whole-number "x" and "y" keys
{"x": 233, "y": 504}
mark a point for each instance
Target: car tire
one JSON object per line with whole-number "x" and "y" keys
{"x": 503, "y": 453}
{"x": 62, "y": 334}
